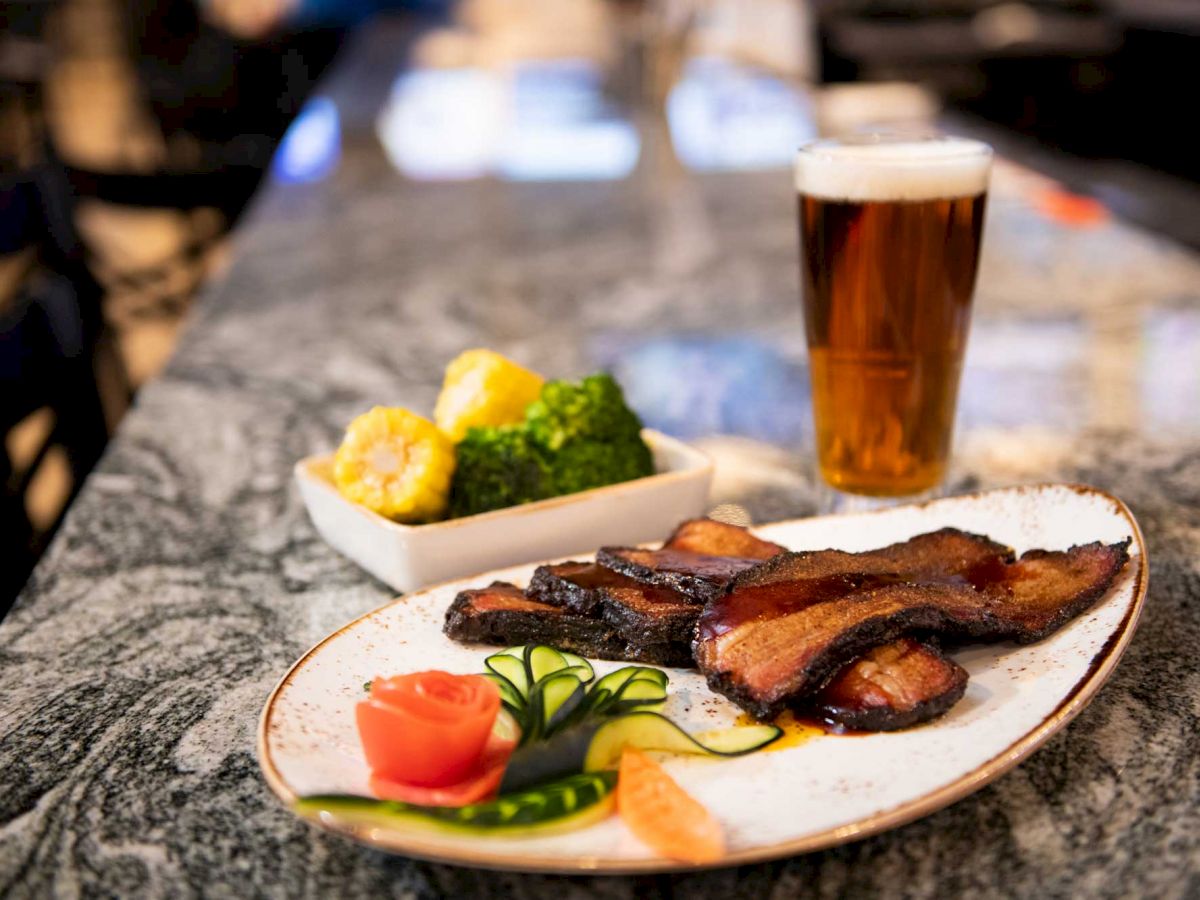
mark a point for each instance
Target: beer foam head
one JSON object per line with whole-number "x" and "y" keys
{"x": 887, "y": 169}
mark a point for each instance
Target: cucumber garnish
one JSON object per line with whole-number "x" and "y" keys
{"x": 596, "y": 745}
{"x": 568, "y": 803}
{"x": 547, "y": 690}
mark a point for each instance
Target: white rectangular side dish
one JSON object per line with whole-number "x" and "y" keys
{"x": 407, "y": 557}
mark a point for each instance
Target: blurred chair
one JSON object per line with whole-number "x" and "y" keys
{"x": 53, "y": 348}
{"x": 222, "y": 101}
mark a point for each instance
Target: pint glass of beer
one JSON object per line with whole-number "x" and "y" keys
{"x": 889, "y": 244}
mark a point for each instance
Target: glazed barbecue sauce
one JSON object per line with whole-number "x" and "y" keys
{"x": 772, "y": 601}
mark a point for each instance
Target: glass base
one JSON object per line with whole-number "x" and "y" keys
{"x": 831, "y": 501}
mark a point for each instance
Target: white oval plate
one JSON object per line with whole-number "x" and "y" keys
{"x": 825, "y": 791}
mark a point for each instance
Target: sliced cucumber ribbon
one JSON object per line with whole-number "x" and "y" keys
{"x": 547, "y": 690}
{"x": 596, "y": 745}
{"x": 653, "y": 731}
{"x": 571, "y": 802}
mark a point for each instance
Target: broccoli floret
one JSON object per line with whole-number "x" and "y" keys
{"x": 498, "y": 467}
{"x": 574, "y": 437}
{"x": 582, "y": 464}
{"x": 594, "y": 409}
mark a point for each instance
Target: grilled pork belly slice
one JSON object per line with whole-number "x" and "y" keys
{"x": 793, "y": 581}
{"x": 502, "y": 614}
{"x": 641, "y": 613}
{"x": 697, "y": 576}
{"x": 571, "y": 585}
{"x": 784, "y": 629}
{"x": 582, "y": 587}
{"x": 1046, "y": 589}
{"x": 703, "y": 576}
{"x": 720, "y": 539}
{"x": 651, "y": 609}
{"x": 898, "y": 685}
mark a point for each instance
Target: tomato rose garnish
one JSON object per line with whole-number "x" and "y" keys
{"x": 478, "y": 785}
{"x": 428, "y": 728}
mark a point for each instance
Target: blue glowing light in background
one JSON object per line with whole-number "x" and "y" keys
{"x": 726, "y": 116}
{"x": 563, "y": 129}
{"x": 540, "y": 121}
{"x": 312, "y": 146}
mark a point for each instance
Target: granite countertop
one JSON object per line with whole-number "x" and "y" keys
{"x": 187, "y": 577}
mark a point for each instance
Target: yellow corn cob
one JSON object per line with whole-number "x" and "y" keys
{"x": 483, "y": 388}
{"x": 396, "y": 463}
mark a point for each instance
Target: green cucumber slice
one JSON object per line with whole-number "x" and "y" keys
{"x": 596, "y": 745}
{"x": 606, "y": 695}
{"x": 613, "y": 680}
{"x": 546, "y": 690}
{"x": 579, "y": 662}
{"x": 637, "y": 693}
{"x": 653, "y": 731}
{"x": 561, "y": 693}
{"x": 638, "y": 688}
{"x": 583, "y": 673}
{"x": 512, "y": 669}
{"x": 541, "y": 661}
{"x": 557, "y": 806}
{"x": 507, "y": 725}
{"x": 595, "y": 701}
{"x": 509, "y": 695}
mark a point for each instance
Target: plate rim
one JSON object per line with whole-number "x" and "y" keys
{"x": 1071, "y": 705}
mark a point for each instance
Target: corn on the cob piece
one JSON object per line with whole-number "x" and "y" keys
{"x": 397, "y": 464}
{"x": 482, "y": 388}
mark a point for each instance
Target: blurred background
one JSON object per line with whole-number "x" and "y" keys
{"x": 134, "y": 136}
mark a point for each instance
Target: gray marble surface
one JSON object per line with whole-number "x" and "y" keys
{"x": 187, "y": 577}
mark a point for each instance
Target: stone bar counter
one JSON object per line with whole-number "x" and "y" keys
{"x": 187, "y": 577}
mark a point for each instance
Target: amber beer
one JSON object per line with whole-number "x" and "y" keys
{"x": 889, "y": 246}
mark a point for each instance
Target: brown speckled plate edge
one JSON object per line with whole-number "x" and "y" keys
{"x": 412, "y": 845}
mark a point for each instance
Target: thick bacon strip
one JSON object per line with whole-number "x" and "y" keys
{"x": 898, "y": 685}
{"x": 782, "y": 631}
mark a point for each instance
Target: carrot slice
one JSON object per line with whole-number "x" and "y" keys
{"x": 663, "y": 815}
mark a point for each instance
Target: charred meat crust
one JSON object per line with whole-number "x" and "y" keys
{"x": 886, "y": 718}
{"x": 895, "y": 686}
{"x": 553, "y": 585}
{"x": 501, "y": 614}
{"x": 631, "y": 613}
{"x": 675, "y": 655}
{"x": 769, "y": 664}
{"x": 1035, "y": 567}
{"x": 641, "y": 613}
{"x": 967, "y": 551}
{"x": 525, "y": 621}
{"x": 698, "y": 576}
